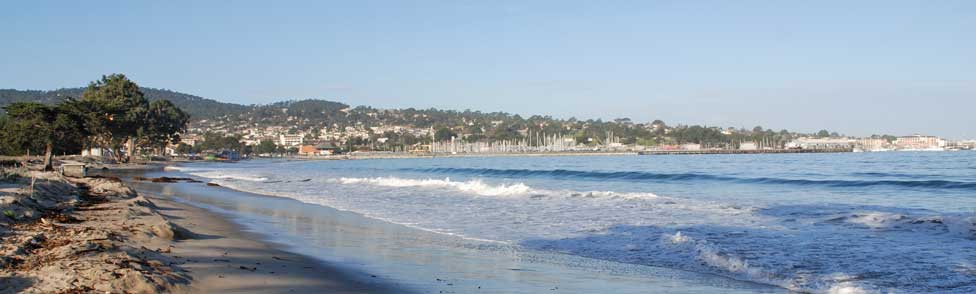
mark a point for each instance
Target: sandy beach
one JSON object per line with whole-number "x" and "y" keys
{"x": 96, "y": 234}
{"x": 225, "y": 259}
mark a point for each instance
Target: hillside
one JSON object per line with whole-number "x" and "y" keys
{"x": 313, "y": 116}
{"x": 197, "y": 107}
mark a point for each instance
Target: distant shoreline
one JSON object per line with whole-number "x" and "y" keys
{"x": 428, "y": 155}
{"x": 553, "y": 154}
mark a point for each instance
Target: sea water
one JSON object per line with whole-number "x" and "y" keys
{"x": 902, "y": 222}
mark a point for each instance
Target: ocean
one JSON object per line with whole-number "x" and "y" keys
{"x": 901, "y": 222}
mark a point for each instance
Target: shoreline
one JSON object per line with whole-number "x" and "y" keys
{"x": 535, "y": 154}
{"x": 440, "y": 155}
{"x": 447, "y": 262}
{"x": 230, "y": 259}
{"x": 106, "y": 235}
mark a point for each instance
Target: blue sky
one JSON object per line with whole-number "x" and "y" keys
{"x": 857, "y": 67}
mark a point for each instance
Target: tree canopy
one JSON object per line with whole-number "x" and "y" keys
{"x": 266, "y": 147}
{"x": 111, "y": 112}
{"x": 164, "y": 122}
{"x": 35, "y": 126}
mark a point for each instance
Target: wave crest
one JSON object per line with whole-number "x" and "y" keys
{"x": 637, "y": 175}
{"x": 474, "y": 186}
{"x": 958, "y": 225}
{"x": 479, "y": 187}
{"x": 217, "y": 175}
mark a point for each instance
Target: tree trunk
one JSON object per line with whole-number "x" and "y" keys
{"x": 48, "y": 155}
{"x": 130, "y": 149}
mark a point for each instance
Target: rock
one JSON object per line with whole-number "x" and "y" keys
{"x": 170, "y": 231}
{"x": 112, "y": 179}
{"x": 170, "y": 180}
{"x": 141, "y": 201}
{"x": 135, "y": 282}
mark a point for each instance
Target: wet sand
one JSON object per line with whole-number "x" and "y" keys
{"x": 97, "y": 234}
{"x": 224, "y": 259}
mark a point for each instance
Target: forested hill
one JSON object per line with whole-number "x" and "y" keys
{"x": 197, "y": 107}
{"x": 314, "y": 115}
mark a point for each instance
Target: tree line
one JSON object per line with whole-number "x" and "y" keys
{"x": 198, "y": 107}
{"x": 314, "y": 116}
{"x": 112, "y": 113}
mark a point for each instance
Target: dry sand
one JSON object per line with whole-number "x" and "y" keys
{"x": 96, "y": 235}
{"x": 83, "y": 236}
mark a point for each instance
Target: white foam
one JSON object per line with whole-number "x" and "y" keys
{"x": 474, "y": 186}
{"x": 846, "y": 288}
{"x": 226, "y": 176}
{"x": 479, "y": 187}
{"x": 876, "y": 220}
{"x": 611, "y": 194}
{"x": 714, "y": 257}
{"x": 176, "y": 168}
{"x": 819, "y": 249}
{"x": 959, "y": 225}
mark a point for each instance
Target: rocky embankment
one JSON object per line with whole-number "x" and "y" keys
{"x": 83, "y": 235}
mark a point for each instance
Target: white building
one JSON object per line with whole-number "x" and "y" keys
{"x": 920, "y": 142}
{"x": 869, "y": 144}
{"x": 748, "y": 146}
{"x": 291, "y": 140}
{"x": 966, "y": 144}
{"x": 96, "y": 151}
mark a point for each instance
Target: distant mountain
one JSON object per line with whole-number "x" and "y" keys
{"x": 198, "y": 107}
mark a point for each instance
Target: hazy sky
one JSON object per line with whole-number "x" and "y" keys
{"x": 856, "y": 67}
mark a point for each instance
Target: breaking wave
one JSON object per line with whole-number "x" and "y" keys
{"x": 224, "y": 176}
{"x": 637, "y": 176}
{"x": 479, "y": 187}
{"x": 179, "y": 168}
{"x": 822, "y": 246}
{"x": 959, "y": 225}
{"x": 474, "y": 186}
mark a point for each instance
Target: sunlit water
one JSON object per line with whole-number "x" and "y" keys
{"x": 870, "y": 222}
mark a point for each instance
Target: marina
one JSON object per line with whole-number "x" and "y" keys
{"x": 742, "y": 151}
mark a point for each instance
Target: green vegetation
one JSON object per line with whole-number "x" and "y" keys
{"x": 112, "y": 113}
{"x": 42, "y": 127}
{"x": 184, "y": 149}
{"x": 197, "y": 107}
{"x": 476, "y": 126}
{"x": 214, "y": 142}
{"x": 266, "y": 147}
{"x": 313, "y": 117}
{"x": 164, "y": 122}
{"x": 444, "y": 134}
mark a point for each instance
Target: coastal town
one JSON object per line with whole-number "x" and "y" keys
{"x": 316, "y": 128}
{"x": 388, "y": 139}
